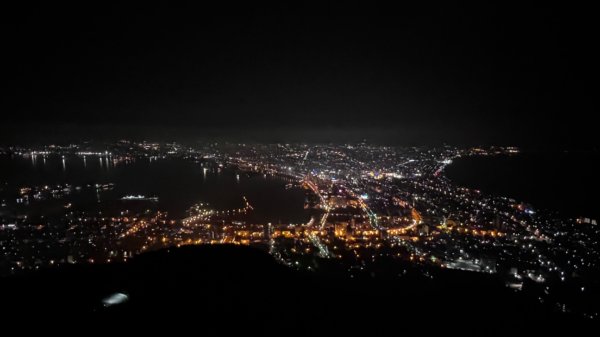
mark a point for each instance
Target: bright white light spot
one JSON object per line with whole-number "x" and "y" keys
{"x": 116, "y": 298}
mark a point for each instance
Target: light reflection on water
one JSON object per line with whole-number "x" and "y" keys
{"x": 178, "y": 184}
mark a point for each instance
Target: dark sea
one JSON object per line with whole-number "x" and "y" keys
{"x": 177, "y": 183}
{"x": 566, "y": 182}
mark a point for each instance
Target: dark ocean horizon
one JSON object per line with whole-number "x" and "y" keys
{"x": 566, "y": 182}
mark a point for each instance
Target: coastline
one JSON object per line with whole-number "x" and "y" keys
{"x": 531, "y": 177}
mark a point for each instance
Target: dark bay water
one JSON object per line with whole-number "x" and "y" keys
{"x": 565, "y": 182}
{"x": 178, "y": 184}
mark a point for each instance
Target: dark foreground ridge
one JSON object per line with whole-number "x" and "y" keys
{"x": 231, "y": 289}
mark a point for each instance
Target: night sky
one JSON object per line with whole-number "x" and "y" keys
{"x": 462, "y": 75}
